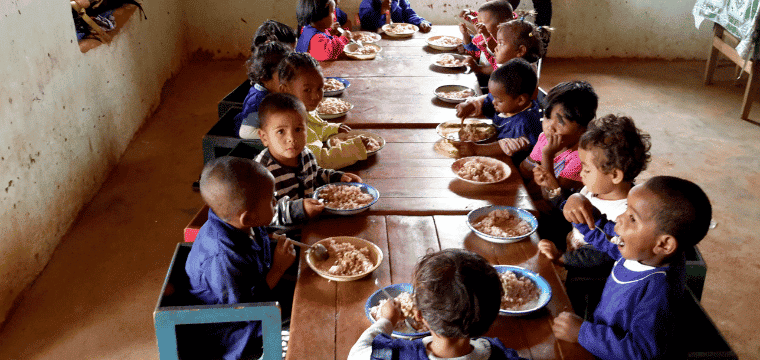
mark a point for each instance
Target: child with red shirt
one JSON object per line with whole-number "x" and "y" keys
{"x": 490, "y": 15}
{"x": 314, "y": 18}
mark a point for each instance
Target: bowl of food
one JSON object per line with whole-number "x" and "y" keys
{"x": 366, "y": 37}
{"x": 335, "y": 86}
{"x": 481, "y": 170}
{"x": 443, "y": 42}
{"x": 524, "y": 290}
{"x": 349, "y": 258}
{"x": 363, "y": 52}
{"x": 331, "y": 108}
{"x": 454, "y": 93}
{"x": 400, "y": 29}
{"x": 472, "y": 130}
{"x": 403, "y": 294}
{"x": 372, "y": 141}
{"x": 346, "y": 198}
{"x": 449, "y": 60}
{"x": 501, "y": 224}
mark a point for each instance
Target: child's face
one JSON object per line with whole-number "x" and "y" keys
{"x": 490, "y": 21}
{"x": 637, "y": 226}
{"x": 505, "y": 47}
{"x": 592, "y": 176}
{"x": 308, "y": 86}
{"x": 556, "y": 124}
{"x": 284, "y": 133}
{"x": 327, "y": 21}
{"x": 503, "y": 102}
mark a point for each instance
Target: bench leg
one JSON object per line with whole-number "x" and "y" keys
{"x": 712, "y": 57}
{"x": 751, "y": 92}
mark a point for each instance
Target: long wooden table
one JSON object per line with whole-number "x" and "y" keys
{"x": 328, "y": 316}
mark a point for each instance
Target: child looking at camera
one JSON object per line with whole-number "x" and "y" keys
{"x": 262, "y": 72}
{"x": 509, "y": 104}
{"x": 373, "y": 14}
{"x": 457, "y": 295}
{"x": 283, "y": 132}
{"x": 612, "y": 152}
{"x": 490, "y": 15}
{"x": 231, "y": 260}
{"x": 314, "y": 18}
{"x": 301, "y": 76}
{"x": 639, "y": 309}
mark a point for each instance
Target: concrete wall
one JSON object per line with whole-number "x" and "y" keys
{"x": 583, "y": 28}
{"x": 66, "y": 118}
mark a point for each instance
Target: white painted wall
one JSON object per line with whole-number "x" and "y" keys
{"x": 66, "y": 118}
{"x": 583, "y": 28}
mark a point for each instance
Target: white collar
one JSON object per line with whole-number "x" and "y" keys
{"x": 636, "y": 266}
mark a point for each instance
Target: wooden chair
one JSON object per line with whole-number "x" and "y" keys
{"x": 724, "y": 43}
{"x": 175, "y": 306}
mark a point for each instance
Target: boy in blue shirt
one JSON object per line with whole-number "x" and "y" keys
{"x": 636, "y": 316}
{"x": 231, "y": 260}
{"x": 372, "y": 14}
{"x": 457, "y": 295}
{"x": 510, "y": 105}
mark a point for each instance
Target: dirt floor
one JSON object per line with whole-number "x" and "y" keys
{"x": 95, "y": 298}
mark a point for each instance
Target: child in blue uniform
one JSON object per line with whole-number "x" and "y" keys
{"x": 320, "y": 35}
{"x": 231, "y": 260}
{"x": 372, "y": 14}
{"x": 262, "y": 71}
{"x": 637, "y": 314}
{"x": 457, "y": 294}
{"x": 517, "y": 118}
{"x": 283, "y": 132}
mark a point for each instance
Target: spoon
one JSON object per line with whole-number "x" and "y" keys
{"x": 412, "y": 323}
{"x": 391, "y": 25}
{"x": 351, "y": 40}
{"x": 320, "y": 251}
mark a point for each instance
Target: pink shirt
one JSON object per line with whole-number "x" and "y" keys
{"x": 567, "y": 164}
{"x": 482, "y": 44}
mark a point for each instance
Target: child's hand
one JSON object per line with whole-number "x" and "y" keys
{"x": 578, "y": 209}
{"x": 312, "y": 207}
{"x": 511, "y": 146}
{"x": 333, "y": 30}
{"x": 347, "y": 34}
{"x": 343, "y": 128}
{"x": 554, "y": 143}
{"x": 460, "y": 49}
{"x": 284, "y": 253}
{"x": 549, "y": 250}
{"x": 472, "y": 63}
{"x": 566, "y": 326}
{"x": 425, "y": 26}
{"x": 349, "y": 177}
{"x": 391, "y": 310}
{"x": 465, "y": 109}
{"x": 483, "y": 30}
{"x": 543, "y": 178}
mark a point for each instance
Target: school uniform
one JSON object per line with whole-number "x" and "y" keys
{"x": 526, "y": 123}
{"x": 401, "y": 12}
{"x": 247, "y": 121}
{"x": 321, "y": 45}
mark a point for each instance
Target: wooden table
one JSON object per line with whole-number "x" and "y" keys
{"x": 415, "y": 179}
{"x": 328, "y": 316}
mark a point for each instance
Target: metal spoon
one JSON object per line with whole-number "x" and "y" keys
{"x": 320, "y": 251}
{"x": 351, "y": 40}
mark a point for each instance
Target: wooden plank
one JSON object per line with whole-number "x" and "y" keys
{"x": 409, "y": 238}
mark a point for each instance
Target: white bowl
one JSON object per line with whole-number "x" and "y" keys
{"x": 364, "y": 188}
{"x": 351, "y": 51}
{"x": 353, "y": 133}
{"x": 431, "y": 42}
{"x": 452, "y": 88}
{"x": 476, "y": 214}
{"x": 321, "y": 267}
{"x": 368, "y": 37}
{"x": 386, "y": 29}
{"x": 449, "y": 130}
{"x": 436, "y": 60}
{"x": 333, "y": 116}
{"x": 483, "y": 159}
{"x": 538, "y": 280}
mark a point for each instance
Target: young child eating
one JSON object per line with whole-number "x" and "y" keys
{"x": 638, "y": 312}
{"x": 509, "y": 105}
{"x": 373, "y": 14}
{"x": 301, "y": 76}
{"x": 457, "y": 295}
{"x": 314, "y": 18}
{"x": 231, "y": 260}
{"x": 262, "y": 71}
{"x": 521, "y": 38}
{"x": 283, "y": 132}
{"x": 490, "y": 15}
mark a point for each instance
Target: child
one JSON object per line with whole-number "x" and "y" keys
{"x": 612, "y": 152}
{"x": 520, "y": 38}
{"x": 490, "y": 15}
{"x": 457, "y": 294}
{"x": 373, "y": 14}
{"x": 272, "y": 30}
{"x": 283, "y": 132}
{"x": 262, "y": 71}
{"x": 314, "y": 18}
{"x": 300, "y": 75}
{"x": 638, "y": 312}
{"x": 231, "y": 261}
{"x": 509, "y": 105}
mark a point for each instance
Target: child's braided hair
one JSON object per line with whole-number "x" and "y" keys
{"x": 534, "y": 38}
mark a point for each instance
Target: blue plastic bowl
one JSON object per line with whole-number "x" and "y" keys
{"x": 394, "y": 290}
{"x": 345, "y": 82}
{"x": 476, "y": 214}
{"x": 364, "y": 187}
{"x": 543, "y": 285}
